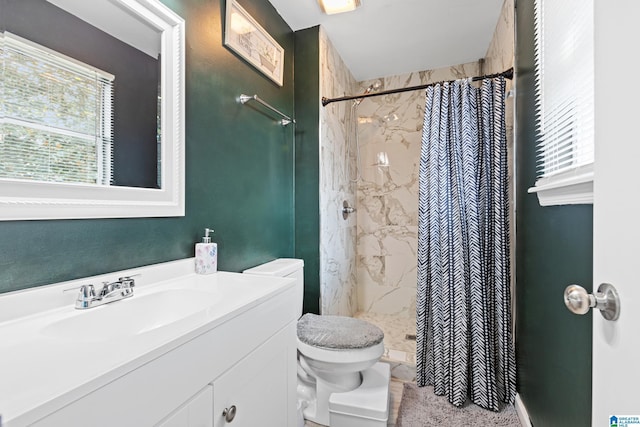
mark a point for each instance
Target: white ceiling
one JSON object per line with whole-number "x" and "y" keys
{"x": 390, "y": 37}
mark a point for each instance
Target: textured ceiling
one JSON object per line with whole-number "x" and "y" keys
{"x": 390, "y": 37}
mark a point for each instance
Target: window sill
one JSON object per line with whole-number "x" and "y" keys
{"x": 570, "y": 188}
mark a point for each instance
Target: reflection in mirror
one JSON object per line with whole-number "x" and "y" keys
{"x": 80, "y": 105}
{"x": 91, "y": 109}
{"x": 56, "y": 122}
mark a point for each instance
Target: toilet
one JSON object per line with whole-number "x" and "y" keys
{"x": 341, "y": 382}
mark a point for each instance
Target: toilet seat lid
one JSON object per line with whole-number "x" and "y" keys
{"x": 338, "y": 332}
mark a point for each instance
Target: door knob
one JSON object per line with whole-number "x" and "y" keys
{"x": 606, "y": 300}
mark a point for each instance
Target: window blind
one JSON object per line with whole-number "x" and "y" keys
{"x": 564, "y": 86}
{"x": 56, "y": 116}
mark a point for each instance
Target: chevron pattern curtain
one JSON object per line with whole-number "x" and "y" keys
{"x": 464, "y": 340}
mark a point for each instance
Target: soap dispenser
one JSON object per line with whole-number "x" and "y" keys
{"x": 206, "y": 255}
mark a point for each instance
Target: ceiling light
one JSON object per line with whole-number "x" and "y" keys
{"x": 338, "y": 6}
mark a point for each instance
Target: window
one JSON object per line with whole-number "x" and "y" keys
{"x": 564, "y": 101}
{"x": 55, "y": 116}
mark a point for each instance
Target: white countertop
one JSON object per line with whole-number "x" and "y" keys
{"x": 40, "y": 373}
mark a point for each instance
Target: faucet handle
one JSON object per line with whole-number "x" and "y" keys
{"x": 85, "y": 296}
{"x": 128, "y": 281}
{"x": 87, "y": 291}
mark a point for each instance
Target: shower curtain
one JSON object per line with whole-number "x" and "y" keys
{"x": 464, "y": 338}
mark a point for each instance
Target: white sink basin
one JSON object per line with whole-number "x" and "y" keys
{"x": 133, "y": 316}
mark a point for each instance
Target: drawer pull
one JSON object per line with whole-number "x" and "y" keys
{"x": 229, "y": 413}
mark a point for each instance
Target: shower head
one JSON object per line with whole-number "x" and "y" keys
{"x": 375, "y": 86}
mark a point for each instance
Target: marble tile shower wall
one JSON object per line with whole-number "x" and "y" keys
{"x": 390, "y": 131}
{"x": 371, "y": 264}
{"x": 501, "y": 52}
{"x": 337, "y": 236}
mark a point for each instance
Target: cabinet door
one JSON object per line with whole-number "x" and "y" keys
{"x": 262, "y": 386}
{"x": 197, "y": 412}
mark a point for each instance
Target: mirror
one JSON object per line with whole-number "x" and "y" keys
{"x": 92, "y": 123}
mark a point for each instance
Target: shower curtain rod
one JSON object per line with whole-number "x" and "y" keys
{"x": 508, "y": 74}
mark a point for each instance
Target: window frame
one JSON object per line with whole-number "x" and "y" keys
{"x": 574, "y": 185}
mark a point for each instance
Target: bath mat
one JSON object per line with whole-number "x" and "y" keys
{"x": 420, "y": 407}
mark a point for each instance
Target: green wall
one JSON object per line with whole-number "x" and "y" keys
{"x": 307, "y": 171}
{"x": 554, "y": 249}
{"x": 239, "y": 173}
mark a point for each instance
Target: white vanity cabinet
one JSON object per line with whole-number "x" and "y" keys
{"x": 256, "y": 391}
{"x": 258, "y": 387}
{"x": 247, "y": 360}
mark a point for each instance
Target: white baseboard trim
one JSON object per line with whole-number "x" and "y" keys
{"x": 522, "y": 412}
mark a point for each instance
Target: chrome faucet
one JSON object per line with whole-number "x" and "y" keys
{"x": 110, "y": 292}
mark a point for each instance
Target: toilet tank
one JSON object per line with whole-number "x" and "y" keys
{"x": 283, "y": 267}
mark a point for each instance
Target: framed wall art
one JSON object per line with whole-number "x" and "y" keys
{"x": 247, "y": 38}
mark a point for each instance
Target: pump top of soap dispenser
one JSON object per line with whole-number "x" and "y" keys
{"x": 206, "y": 238}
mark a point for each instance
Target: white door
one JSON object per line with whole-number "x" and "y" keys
{"x": 616, "y": 248}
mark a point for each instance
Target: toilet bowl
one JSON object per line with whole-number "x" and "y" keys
{"x": 335, "y": 353}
